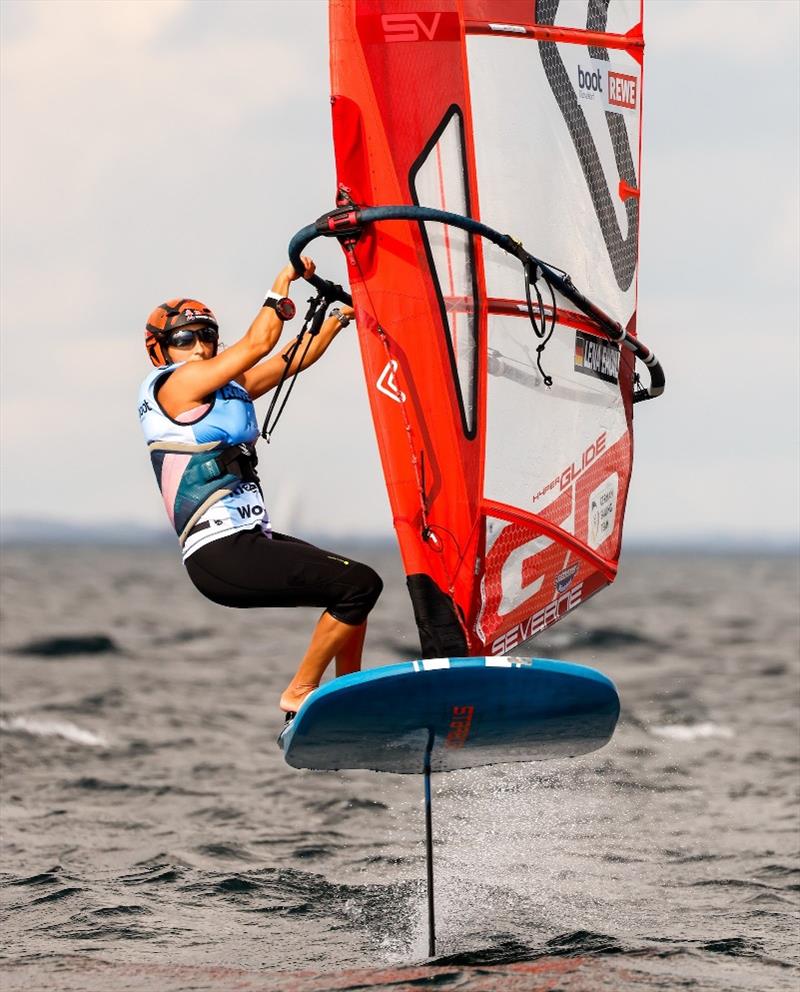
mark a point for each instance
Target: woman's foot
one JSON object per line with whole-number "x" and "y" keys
{"x": 294, "y": 696}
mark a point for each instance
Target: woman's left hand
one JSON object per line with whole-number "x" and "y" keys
{"x": 290, "y": 273}
{"x": 310, "y": 269}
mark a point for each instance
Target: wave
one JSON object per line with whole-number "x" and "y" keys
{"x": 52, "y": 728}
{"x": 56, "y": 896}
{"x": 93, "y": 784}
{"x": 598, "y": 637}
{"x": 185, "y": 636}
{"x": 506, "y": 949}
{"x": 691, "y": 731}
{"x": 65, "y": 646}
{"x": 94, "y": 703}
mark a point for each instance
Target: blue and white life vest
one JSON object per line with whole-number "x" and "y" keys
{"x": 204, "y": 461}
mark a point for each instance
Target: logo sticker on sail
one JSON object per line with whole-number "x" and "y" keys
{"x": 622, "y": 90}
{"x": 596, "y": 357}
{"x": 614, "y": 88}
{"x": 420, "y": 26}
{"x": 603, "y": 511}
{"x": 387, "y": 383}
{"x": 575, "y": 468}
{"x": 564, "y": 579}
{"x": 417, "y": 25}
{"x": 542, "y": 618}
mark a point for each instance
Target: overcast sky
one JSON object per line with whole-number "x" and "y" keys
{"x": 172, "y": 148}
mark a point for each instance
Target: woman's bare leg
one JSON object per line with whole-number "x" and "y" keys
{"x": 331, "y": 638}
{"x": 348, "y": 657}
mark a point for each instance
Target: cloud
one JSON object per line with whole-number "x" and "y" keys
{"x": 738, "y": 31}
{"x": 98, "y": 91}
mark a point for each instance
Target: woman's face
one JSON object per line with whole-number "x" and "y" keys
{"x": 195, "y": 350}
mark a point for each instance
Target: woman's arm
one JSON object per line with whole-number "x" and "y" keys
{"x": 189, "y": 385}
{"x": 267, "y": 375}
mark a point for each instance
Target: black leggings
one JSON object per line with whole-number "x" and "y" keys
{"x": 249, "y": 569}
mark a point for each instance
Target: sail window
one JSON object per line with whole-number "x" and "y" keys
{"x": 439, "y": 179}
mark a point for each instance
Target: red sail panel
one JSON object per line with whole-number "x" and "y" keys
{"x": 507, "y": 492}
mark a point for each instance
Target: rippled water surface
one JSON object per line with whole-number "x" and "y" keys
{"x": 153, "y": 837}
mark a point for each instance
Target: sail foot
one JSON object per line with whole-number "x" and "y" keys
{"x": 440, "y": 633}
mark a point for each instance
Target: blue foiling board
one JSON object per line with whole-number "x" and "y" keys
{"x": 479, "y": 711}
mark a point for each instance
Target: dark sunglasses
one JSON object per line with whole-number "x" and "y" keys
{"x": 186, "y": 337}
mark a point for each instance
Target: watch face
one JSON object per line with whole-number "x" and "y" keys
{"x": 285, "y": 308}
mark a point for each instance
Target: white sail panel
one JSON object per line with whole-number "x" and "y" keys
{"x": 618, "y": 16}
{"x": 550, "y": 163}
{"x": 558, "y": 168}
{"x": 540, "y": 440}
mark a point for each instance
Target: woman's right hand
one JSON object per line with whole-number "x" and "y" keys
{"x": 291, "y": 273}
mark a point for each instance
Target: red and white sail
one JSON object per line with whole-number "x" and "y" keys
{"x": 508, "y": 494}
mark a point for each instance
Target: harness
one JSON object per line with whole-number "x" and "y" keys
{"x": 210, "y": 474}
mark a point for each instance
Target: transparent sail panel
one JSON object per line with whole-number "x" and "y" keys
{"x": 558, "y": 166}
{"x": 542, "y": 443}
{"x": 616, "y": 16}
{"x": 439, "y": 180}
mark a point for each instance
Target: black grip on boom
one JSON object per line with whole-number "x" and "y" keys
{"x": 332, "y": 291}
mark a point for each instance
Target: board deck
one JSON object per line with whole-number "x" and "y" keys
{"x": 479, "y": 711}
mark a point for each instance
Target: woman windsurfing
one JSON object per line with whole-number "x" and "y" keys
{"x": 197, "y": 414}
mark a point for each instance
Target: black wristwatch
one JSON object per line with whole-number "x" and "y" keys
{"x": 342, "y": 318}
{"x": 282, "y": 305}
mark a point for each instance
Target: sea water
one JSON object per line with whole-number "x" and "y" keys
{"x": 154, "y": 838}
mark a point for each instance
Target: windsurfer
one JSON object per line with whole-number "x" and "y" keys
{"x": 196, "y": 410}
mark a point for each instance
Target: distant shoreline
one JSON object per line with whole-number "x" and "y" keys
{"x": 22, "y": 533}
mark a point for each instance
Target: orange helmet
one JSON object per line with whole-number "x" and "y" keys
{"x": 169, "y": 317}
